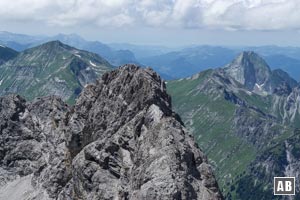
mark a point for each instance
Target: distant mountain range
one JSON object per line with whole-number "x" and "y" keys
{"x": 52, "y": 68}
{"x": 188, "y": 61}
{"x": 171, "y": 63}
{"x": 246, "y": 117}
{"x": 21, "y": 42}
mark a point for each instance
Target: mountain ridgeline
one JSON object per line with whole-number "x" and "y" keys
{"x": 246, "y": 117}
{"x": 21, "y": 42}
{"x": 52, "y": 68}
{"x": 121, "y": 140}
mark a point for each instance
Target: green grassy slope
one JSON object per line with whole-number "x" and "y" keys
{"x": 231, "y": 139}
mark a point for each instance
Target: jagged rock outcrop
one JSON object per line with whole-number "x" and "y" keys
{"x": 121, "y": 140}
{"x": 32, "y": 147}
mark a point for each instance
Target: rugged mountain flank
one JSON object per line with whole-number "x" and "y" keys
{"x": 121, "y": 140}
{"x": 52, "y": 68}
{"x": 236, "y": 122}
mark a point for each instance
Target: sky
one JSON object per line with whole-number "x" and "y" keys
{"x": 159, "y": 22}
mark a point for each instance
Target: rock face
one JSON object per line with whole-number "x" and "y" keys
{"x": 32, "y": 147}
{"x": 121, "y": 140}
{"x": 249, "y": 69}
{"x": 253, "y": 72}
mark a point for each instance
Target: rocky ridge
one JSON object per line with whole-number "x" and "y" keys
{"x": 121, "y": 140}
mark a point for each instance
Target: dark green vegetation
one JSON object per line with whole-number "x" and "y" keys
{"x": 249, "y": 134}
{"x": 6, "y": 54}
{"x": 51, "y": 69}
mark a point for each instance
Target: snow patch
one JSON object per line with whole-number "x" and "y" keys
{"x": 93, "y": 64}
{"x": 56, "y": 79}
{"x": 2, "y": 46}
{"x": 77, "y": 55}
{"x": 249, "y": 93}
{"x": 258, "y": 86}
{"x": 1, "y": 82}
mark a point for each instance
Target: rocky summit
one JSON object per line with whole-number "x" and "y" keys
{"x": 121, "y": 140}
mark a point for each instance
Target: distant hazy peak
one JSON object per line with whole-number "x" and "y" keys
{"x": 55, "y": 44}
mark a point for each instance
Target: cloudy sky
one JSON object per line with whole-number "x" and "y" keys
{"x": 166, "y": 22}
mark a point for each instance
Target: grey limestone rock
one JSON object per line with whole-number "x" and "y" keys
{"x": 32, "y": 146}
{"x": 121, "y": 140}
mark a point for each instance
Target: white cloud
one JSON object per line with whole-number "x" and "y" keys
{"x": 214, "y": 14}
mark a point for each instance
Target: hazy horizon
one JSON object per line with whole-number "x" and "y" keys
{"x": 155, "y": 44}
{"x": 168, "y": 22}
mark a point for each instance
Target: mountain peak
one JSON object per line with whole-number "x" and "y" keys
{"x": 249, "y": 54}
{"x": 252, "y": 71}
{"x": 248, "y": 58}
{"x": 55, "y": 43}
{"x": 249, "y": 69}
